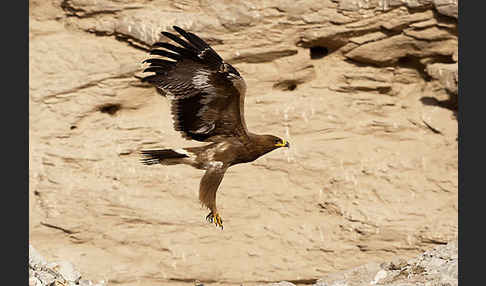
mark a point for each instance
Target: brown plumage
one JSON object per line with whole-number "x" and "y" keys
{"x": 207, "y": 104}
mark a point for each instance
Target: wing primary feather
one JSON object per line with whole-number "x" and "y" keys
{"x": 197, "y": 42}
{"x": 196, "y": 39}
{"x": 183, "y": 33}
{"x": 178, "y": 40}
{"x": 203, "y": 48}
{"x": 179, "y": 50}
{"x": 193, "y": 39}
{"x": 157, "y": 70}
{"x": 160, "y": 62}
{"x": 165, "y": 54}
{"x": 151, "y": 79}
{"x": 169, "y": 47}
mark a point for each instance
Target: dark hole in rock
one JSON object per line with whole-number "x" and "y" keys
{"x": 292, "y": 86}
{"x": 110, "y": 108}
{"x": 318, "y": 52}
{"x": 286, "y": 85}
{"x": 451, "y": 103}
{"x": 405, "y": 61}
{"x": 412, "y": 62}
{"x": 73, "y": 127}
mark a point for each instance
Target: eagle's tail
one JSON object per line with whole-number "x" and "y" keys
{"x": 152, "y": 157}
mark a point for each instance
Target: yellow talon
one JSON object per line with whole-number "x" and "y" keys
{"x": 218, "y": 221}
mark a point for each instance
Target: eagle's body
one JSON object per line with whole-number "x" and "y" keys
{"x": 207, "y": 103}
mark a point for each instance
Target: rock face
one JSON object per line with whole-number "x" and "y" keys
{"x": 438, "y": 266}
{"x": 42, "y": 273}
{"x": 365, "y": 91}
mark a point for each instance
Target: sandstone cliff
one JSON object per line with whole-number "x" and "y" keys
{"x": 365, "y": 91}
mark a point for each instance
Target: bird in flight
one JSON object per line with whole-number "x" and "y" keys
{"x": 207, "y": 104}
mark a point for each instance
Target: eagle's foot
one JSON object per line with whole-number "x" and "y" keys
{"x": 218, "y": 221}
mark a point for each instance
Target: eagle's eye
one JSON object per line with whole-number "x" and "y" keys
{"x": 277, "y": 141}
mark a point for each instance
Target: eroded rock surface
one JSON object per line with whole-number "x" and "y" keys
{"x": 365, "y": 91}
{"x": 43, "y": 273}
{"x": 438, "y": 266}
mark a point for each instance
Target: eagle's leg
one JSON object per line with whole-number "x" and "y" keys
{"x": 216, "y": 218}
{"x": 207, "y": 192}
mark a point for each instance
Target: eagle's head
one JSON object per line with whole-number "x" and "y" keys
{"x": 270, "y": 143}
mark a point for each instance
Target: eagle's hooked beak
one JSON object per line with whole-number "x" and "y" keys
{"x": 284, "y": 143}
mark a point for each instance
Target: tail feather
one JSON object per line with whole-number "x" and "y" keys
{"x": 157, "y": 156}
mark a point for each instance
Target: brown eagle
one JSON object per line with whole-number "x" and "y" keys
{"x": 207, "y": 104}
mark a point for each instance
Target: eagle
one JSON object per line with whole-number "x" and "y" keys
{"x": 206, "y": 97}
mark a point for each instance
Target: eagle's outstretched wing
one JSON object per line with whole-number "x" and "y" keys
{"x": 207, "y": 95}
